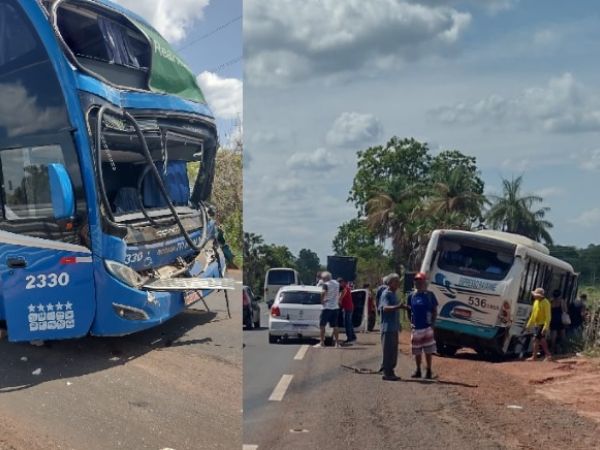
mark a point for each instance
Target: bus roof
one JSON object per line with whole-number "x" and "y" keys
{"x": 515, "y": 239}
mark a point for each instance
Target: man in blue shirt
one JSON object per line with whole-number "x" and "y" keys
{"x": 390, "y": 326}
{"x": 422, "y": 306}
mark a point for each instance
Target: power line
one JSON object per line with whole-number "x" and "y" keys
{"x": 226, "y": 64}
{"x": 210, "y": 33}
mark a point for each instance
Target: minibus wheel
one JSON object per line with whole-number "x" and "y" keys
{"x": 447, "y": 350}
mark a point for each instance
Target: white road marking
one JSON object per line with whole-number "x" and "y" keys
{"x": 301, "y": 352}
{"x": 249, "y": 447}
{"x": 279, "y": 391}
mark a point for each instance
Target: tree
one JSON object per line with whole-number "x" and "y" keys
{"x": 307, "y": 264}
{"x": 227, "y": 196}
{"x": 456, "y": 200}
{"x": 354, "y": 238}
{"x": 404, "y": 193}
{"x": 253, "y": 266}
{"x": 515, "y": 212}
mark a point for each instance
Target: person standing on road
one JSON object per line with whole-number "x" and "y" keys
{"x": 558, "y": 308}
{"x": 380, "y": 290}
{"x": 331, "y": 307}
{"x": 347, "y": 310}
{"x": 372, "y": 307}
{"x": 390, "y": 326}
{"x": 422, "y": 307}
{"x": 539, "y": 321}
{"x": 577, "y": 315}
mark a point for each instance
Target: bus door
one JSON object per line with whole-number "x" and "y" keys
{"x": 47, "y": 288}
{"x": 47, "y": 283}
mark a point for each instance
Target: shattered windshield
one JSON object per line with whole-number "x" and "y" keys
{"x": 124, "y": 51}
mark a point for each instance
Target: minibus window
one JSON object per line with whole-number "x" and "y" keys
{"x": 301, "y": 298}
{"x": 281, "y": 277}
{"x": 475, "y": 262}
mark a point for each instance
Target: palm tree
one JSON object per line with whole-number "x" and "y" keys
{"x": 393, "y": 216}
{"x": 454, "y": 202}
{"x": 515, "y": 213}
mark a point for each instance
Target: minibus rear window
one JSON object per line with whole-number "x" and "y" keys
{"x": 281, "y": 277}
{"x": 475, "y": 261}
{"x": 301, "y": 298}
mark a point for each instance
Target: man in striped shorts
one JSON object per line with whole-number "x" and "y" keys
{"x": 423, "y": 312}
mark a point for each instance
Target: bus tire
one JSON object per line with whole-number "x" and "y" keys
{"x": 447, "y": 350}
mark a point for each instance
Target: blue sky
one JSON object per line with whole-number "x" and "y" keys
{"x": 510, "y": 82}
{"x": 208, "y": 35}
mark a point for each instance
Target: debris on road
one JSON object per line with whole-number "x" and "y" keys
{"x": 24, "y": 358}
{"x": 514, "y": 407}
{"x": 37, "y": 372}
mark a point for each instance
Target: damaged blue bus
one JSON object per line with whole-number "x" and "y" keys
{"x": 102, "y": 230}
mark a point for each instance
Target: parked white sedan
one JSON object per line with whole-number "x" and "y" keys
{"x": 297, "y": 310}
{"x": 295, "y": 313}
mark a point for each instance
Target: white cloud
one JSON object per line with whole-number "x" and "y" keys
{"x": 588, "y": 218}
{"x": 562, "y": 106}
{"x": 224, "y": 95}
{"x": 321, "y": 160}
{"x": 590, "y": 160}
{"x": 353, "y": 129}
{"x": 289, "y": 40}
{"x": 492, "y": 6}
{"x": 172, "y": 18}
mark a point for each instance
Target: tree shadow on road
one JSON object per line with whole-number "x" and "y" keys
{"x": 77, "y": 357}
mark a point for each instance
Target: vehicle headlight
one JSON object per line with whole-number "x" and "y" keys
{"x": 124, "y": 273}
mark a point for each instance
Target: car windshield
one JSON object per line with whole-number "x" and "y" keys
{"x": 477, "y": 262}
{"x": 280, "y": 277}
{"x": 300, "y": 298}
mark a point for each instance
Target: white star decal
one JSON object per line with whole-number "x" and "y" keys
{"x": 31, "y": 308}
{"x": 68, "y": 305}
{"x": 59, "y": 306}
{"x": 49, "y": 307}
{"x": 40, "y": 308}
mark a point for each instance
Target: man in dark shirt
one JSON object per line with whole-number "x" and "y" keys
{"x": 390, "y": 326}
{"x": 422, "y": 306}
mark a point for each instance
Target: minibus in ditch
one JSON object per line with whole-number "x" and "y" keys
{"x": 483, "y": 282}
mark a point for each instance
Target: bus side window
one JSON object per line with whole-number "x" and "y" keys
{"x": 34, "y": 131}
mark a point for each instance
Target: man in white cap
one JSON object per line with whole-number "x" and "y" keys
{"x": 539, "y": 320}
{"x": 331, "y": 308}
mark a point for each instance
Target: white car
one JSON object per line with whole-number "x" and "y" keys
{"x": 296, "y": 313}
{"x": 297, "y": 310}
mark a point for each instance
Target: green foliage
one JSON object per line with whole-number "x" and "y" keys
{"x": 515, "y": 212}
{"x": 404, "y": 193}
{"x": 585, "y": 261}
{"x": 227, "y": 198}
{"x": 354, "y": 238}
{"x": 308, "y": 264}
{"x": 260, "y": 257}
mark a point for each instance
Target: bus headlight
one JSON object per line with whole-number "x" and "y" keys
{"x": 124, "y": 273}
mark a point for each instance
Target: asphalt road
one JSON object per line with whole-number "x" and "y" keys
{"x": 177, "y": 386}
{"x": 329, "y": 406}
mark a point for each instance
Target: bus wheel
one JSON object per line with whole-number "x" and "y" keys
{"x": 447, "y": 350}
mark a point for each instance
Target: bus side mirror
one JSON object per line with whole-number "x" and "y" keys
{"x": 61, "y": 192}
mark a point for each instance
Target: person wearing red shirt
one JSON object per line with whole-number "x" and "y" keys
{"x": 347, "y": 308}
